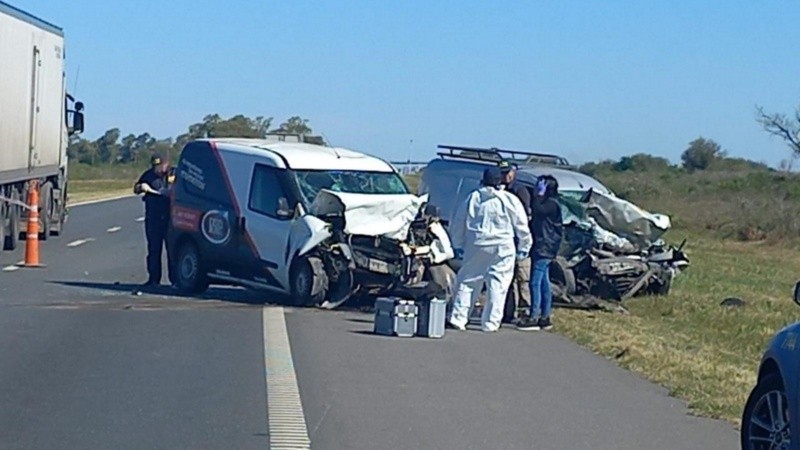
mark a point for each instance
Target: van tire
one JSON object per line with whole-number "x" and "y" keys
{"x": 190, "y": 274}
{"x": 309, "y": 282}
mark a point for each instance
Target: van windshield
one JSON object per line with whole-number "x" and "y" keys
{"x": 355, "y": 182}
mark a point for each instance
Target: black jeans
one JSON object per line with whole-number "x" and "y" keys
{"x": 155, "y": 229}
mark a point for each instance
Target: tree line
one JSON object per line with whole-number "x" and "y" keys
{"x": 114, "y": 148}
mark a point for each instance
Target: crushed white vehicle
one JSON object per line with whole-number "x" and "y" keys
{"x": 612, "y": 248}
{"x": 317, "y": 223}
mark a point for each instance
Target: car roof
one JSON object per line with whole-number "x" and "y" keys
{"x": 568, "y": 180}
{"x": 302, "y": 156}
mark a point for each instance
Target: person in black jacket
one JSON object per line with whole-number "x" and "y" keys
{"x": 154, "y": 186}
{"x": 548, "y": 232}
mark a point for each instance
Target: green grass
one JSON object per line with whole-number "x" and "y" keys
{"x": 86, "y": 190}
{"x": 702, "y": 352}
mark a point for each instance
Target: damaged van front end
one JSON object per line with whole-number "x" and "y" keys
{"x": 368, "y": 244}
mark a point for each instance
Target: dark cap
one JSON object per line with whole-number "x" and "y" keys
{"x": 156, "y": 159}
{"x": 492, "y": 177}
{"x": 506, "y": 167}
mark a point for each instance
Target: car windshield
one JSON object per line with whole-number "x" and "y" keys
{"x": 356, "y": 182}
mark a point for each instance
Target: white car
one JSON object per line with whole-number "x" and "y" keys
{"x": 317, "y": 223}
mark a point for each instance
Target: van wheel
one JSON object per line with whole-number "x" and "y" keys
{"x": 191, "y": 278}
{"x": 309, "y": 282}
{"x": 12, "y": 230}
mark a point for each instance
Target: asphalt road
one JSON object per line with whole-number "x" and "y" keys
{"x": 86, "y": 364}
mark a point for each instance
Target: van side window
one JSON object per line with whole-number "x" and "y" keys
{"x": 266, "y": 190}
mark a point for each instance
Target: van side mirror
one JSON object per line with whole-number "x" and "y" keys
{"x": 797, "y": 293}
{"x": 283, "y": 208}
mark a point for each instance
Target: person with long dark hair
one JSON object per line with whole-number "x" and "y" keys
{"x": 548, "y": 232}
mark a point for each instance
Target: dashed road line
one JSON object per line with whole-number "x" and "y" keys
{"x": 113, "y": 229}
{"x": 79, "y": 242}
{"x": 287, "y": 422}
{"x": 11, "y": 268}
{"x": 140, "y": 219}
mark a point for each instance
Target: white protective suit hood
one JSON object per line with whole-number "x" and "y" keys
{"x": 491, "y": 217}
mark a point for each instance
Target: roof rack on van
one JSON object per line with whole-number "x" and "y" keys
{"x": 498, "y": 154}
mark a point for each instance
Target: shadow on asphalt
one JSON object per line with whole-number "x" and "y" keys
{"x": 224, "y": 294}
{"x": 360, "y": 320}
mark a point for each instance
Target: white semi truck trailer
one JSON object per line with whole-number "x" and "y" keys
{"x": 36, "y": 118}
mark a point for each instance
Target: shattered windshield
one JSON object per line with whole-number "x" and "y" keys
{"x": 355, "y": 182}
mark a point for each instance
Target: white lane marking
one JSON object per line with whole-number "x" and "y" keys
{"x": 79, "y": 242}
{"x": 101, "y": 200}
{"x": 287, "y": 422}
{"x": 140, "y": 219}
{"x": 10, "y": 268}
{"x": 113, "y": 229}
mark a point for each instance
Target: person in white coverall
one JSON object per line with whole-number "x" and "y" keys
{"x": 482, "y": 233}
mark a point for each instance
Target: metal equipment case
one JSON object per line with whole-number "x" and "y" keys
{"x": 396, "y": 317}
{"x": 431, "y": 318}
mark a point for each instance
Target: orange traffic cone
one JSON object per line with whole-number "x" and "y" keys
{"x": 32, "y": 235}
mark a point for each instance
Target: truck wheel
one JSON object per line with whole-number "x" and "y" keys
{"x": 309, "y": 282}
{"x": 191, "y": 277}
{"x": 12, "y": 231}
{"x": 45, "y": 211}
{"x": 3, "y": 220}
{"x": 58, "y": 227}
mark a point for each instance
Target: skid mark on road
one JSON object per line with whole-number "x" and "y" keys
{"x": 113, "y": 229}
{"x": 287, "y": 422}
{"x": 79, "y": 242}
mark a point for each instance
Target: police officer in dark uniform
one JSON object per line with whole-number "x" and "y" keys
{"x": 154, "y": 185}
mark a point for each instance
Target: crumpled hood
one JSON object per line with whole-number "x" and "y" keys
{"x": 371, "y": 214}
{"x": 625, "y": 219}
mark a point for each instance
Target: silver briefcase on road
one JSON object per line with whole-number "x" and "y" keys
{"x": 395, "y": 317}
{"x": 431, "y": 318}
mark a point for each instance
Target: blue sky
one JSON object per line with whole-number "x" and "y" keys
{"x": 586, "y": 79}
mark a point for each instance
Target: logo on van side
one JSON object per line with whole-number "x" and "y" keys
{"x": 216, "y": 227}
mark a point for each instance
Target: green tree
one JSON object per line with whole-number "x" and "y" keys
{"x": 215, "y": 126}
{"x": 82, "y": 150}
{"x": 108, "y": 148}
{"x": 127, "y": 149}
{"x": 294, "y": 125}
{"x": 786, "y": 128}
{"x": 701, "y": 154}
{"x": 641, "y": 162}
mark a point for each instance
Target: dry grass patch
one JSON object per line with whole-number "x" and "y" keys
{"x": 87, "y": 190}
{"x": 702, "y": 352}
